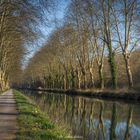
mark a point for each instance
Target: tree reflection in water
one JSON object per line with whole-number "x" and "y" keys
{"x": 92, "y": 119}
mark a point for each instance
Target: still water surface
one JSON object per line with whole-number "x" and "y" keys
{"x": 90, "y": 118}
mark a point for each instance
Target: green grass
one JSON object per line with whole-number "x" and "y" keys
{"x": 32, "y": 123}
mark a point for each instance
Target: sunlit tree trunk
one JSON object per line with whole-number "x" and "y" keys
{"x": 91, "y": 77}
{"x": 128, "y": 71}
{"x": 78, "y": 74}
{"x": 101, "y": 77}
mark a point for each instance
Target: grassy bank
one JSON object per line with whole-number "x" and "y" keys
{"x": 33, "y": 125}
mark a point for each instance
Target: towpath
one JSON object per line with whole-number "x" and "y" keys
{"x": 8, "y": 116}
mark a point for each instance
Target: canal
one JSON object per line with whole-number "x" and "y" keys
{"x": 90, "y": 118}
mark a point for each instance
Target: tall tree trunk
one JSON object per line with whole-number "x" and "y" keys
{"x": 108, "y": 39}
{"x": 65, "y": 83}
{"x": 112, "y": 68}
{"x": 72, "y": 79}
{"x": 128, "y": 71}
{"x": 101, "y": 76}
{"x": 79, "y": 79}
{"x": 66, "y": 80}
{"x": 91, "y": 77}
{"x": 85, "y": 81}
{"x": 4, "y": 81}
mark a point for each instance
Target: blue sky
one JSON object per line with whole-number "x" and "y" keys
{"x": 55, "y": 18}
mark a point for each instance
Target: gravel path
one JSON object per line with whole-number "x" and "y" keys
{"x": 8, "y": 116}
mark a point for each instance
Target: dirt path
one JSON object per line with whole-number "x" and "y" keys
{"x": 8, "y": 116}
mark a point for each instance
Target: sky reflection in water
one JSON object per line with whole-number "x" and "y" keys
{"x": 91, "y": 119}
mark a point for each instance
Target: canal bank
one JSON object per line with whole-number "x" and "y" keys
{"x": 127, "y": 95}
{"x": 32, "y": 123}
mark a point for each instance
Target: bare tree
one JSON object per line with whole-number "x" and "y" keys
{"x": 126, "y": 18}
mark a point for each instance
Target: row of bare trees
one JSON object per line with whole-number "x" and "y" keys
{"x": 97, "y": 38}
{"x": 17, "y": 21}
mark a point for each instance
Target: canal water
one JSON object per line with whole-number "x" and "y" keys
{"x": 90, "y": 118}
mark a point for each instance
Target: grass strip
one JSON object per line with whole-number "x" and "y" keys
{"x": 33, "y": 125}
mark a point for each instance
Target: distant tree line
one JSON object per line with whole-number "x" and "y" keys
{"x": 96, "y": 47}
